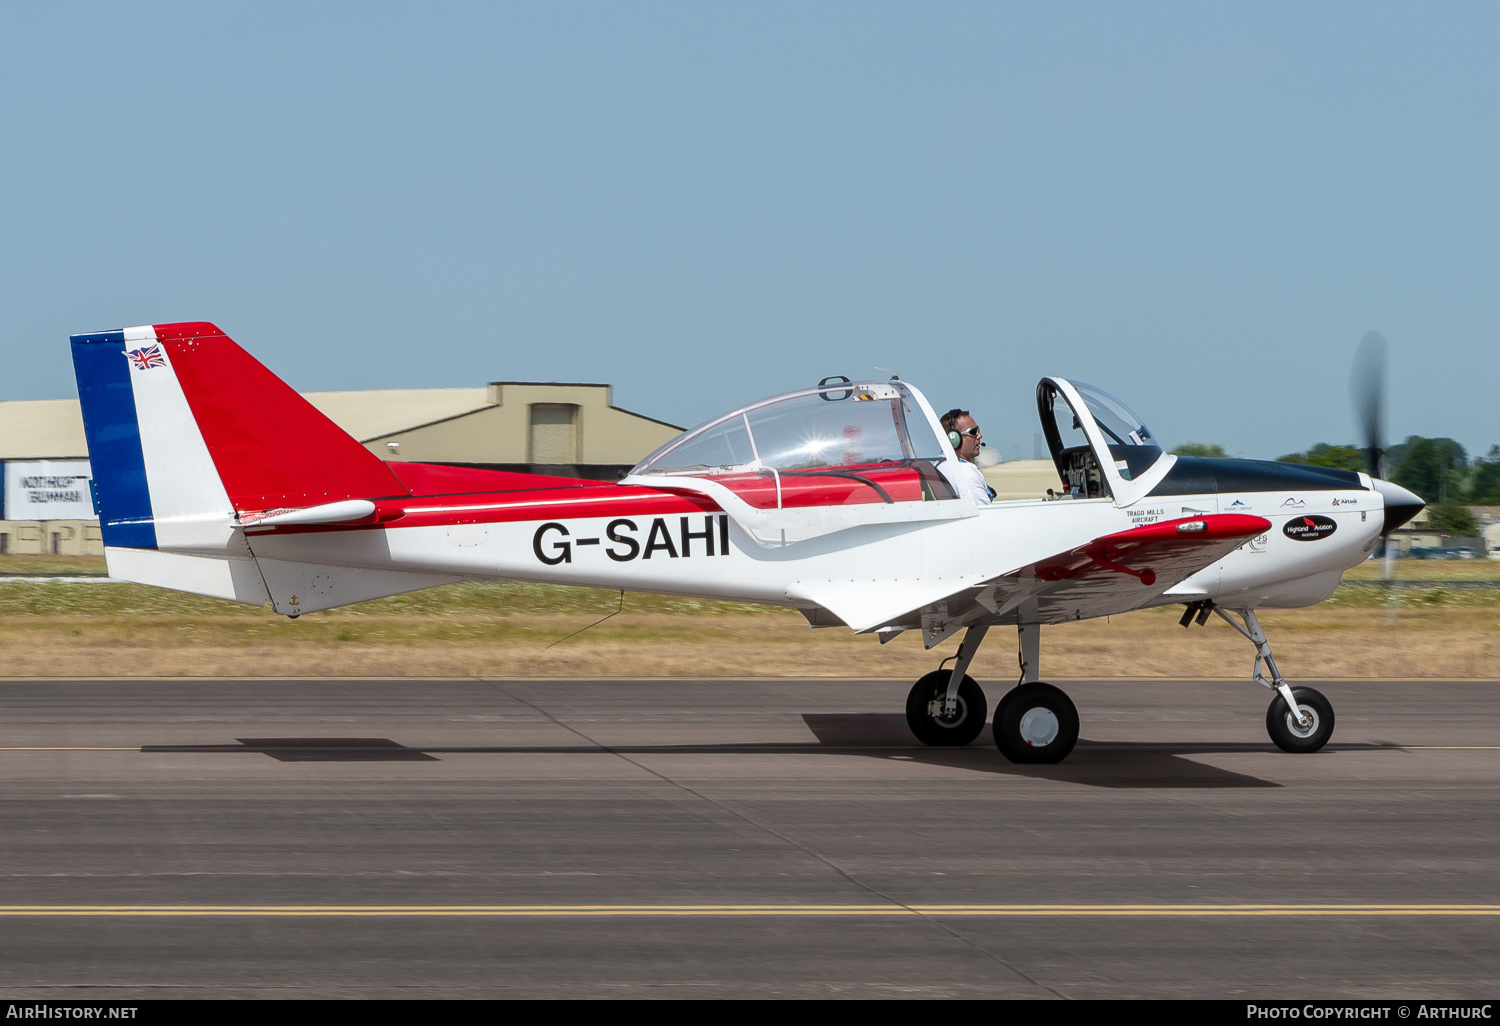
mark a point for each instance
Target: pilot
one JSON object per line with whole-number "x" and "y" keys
{"x": 965, "y": 476}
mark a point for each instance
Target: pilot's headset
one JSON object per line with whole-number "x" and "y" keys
{"x": 954, "y": 438}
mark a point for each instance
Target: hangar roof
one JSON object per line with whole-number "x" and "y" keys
{"x": 52, "y": 429}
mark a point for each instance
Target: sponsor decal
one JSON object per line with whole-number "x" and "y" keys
{"x": 1309, "y": 527}
{"x": 624, "y": 540}
{"x": 1293, "y": 503}
{"x": 1146, "y": 516}
{"x": 1238, "y": 506}
{"x": 1344, "y": 502}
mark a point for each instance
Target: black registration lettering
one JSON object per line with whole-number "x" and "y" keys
{"x": 562, "y": 552}
{"x": 706, "y": 536}
{"x": 622, "y": 543}
{"x": 632, "y": 547}
{"x": 659, "y": 530}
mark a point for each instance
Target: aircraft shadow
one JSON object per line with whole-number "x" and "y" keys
{"x": 866, "y": 735}
{"x": 1091, "y": 763}
{"x": 310, "y": 749}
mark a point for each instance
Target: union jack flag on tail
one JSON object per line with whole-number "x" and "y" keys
{"x": 147, "y": 357}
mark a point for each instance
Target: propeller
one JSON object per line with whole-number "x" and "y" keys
{"x": 1367, "y": 389}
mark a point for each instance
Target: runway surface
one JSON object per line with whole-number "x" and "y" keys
{"x": 466, "y": 838}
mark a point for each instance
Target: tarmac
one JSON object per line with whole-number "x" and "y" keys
{"x": 737, "y": 838}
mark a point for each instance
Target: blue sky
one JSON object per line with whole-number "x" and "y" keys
{"x": 1199, "y": 207}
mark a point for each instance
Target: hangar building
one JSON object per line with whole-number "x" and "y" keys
{"x": 567, "y": 428}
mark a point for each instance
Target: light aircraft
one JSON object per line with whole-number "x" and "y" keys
{"x": 214, "y": 477}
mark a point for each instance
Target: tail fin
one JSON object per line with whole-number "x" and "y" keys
{"x": 185, "y": 429}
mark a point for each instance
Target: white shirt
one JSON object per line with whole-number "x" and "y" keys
{"x": 966, "y": 479}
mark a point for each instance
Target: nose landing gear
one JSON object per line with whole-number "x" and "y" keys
{"x": 1300, "y": 719}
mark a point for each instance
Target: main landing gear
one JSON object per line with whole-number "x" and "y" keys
{"x": 946, "y": 707}
{"x": 1038, "y": 723}
{"x": 1034, "y": 722}
{"x": 1299, "y": 719}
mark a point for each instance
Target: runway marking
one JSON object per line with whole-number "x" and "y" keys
{"x": 217, "y": 749}
{"x": 650, "y": 911}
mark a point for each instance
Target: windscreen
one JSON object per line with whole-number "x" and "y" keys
{"x": 1115, "y": 419}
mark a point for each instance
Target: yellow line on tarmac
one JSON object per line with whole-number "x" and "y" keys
{"x": 645, "y": 911}
{"x": 449, "y": 751}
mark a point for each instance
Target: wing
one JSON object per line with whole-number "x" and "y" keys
{"x": 1114, "y": 573}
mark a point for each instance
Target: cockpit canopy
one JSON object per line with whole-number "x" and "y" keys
{"x": 840, "y": 443}
{"x": 1094, "y": 437}
{"x": 853, "y": 443}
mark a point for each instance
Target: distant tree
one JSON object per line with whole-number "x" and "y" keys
{"x": 1484, "y": 485}
{"x": 1453, "y": 517}
{"x": 1427, "y": 466}
{"x": 1340, "y": 457}
{"x": 1214, "y": 451}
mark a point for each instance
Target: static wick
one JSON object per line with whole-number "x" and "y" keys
{"x": 596, "y": 623}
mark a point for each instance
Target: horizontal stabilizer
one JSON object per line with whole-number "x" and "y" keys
{"x": 226, "y": 577}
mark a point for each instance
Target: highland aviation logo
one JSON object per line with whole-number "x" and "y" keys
{"x": 1309, "y": 528}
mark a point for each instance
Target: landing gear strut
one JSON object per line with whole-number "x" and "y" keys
{"x": 946, "y": 707}
{"x": 1299, "y": 719}
{"x": 1034, "y": 723}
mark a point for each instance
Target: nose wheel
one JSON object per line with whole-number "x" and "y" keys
{"x": 935, "y": 721}
{"x": 1036, "y": 723}
{"x": 1305, "y": 733}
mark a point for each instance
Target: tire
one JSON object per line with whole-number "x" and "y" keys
{"x": 1036, "y": 723}
{"x": 1291, "y": 738}
{"x": 933, "y": 730}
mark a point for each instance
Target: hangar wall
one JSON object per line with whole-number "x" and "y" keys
{"x": 567, "y": 428}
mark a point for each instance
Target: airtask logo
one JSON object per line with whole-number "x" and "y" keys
{"x": 1344, "y": 502}
{"x": 622, "y": 542}
{"x": 1309, "y": 528}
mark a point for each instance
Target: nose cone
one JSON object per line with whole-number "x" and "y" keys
{"x": 1400, "y": 505}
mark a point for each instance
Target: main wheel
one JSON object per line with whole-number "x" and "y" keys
{"x": 1036, "y": 723}
{"x": 959, "y": 729}
{"x": 1283, "y": 727}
